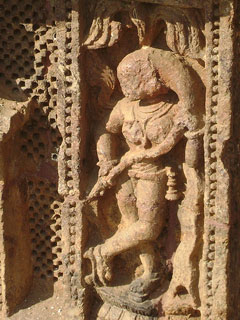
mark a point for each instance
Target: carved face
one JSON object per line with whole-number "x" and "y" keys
{"x": 138, "y": 77}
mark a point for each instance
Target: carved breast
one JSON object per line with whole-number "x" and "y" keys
{"x": 144, "y": 125}
{"x": 158, "y": 129}
{"x": 133, "y": 132}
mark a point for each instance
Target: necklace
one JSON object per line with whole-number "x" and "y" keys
{"x": 142, "y": 115}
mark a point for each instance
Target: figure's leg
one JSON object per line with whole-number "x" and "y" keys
{"x": 157, "y": 194}
{"x": 151, "y": 211}
{"x": 155, "y": 211}
{"x": 127, "y": 205}
{"x": 150, "y": 205}
{"x": 126, "y": 200}
{"x": 148, "y": 258}
{"x": 151, "y": 216}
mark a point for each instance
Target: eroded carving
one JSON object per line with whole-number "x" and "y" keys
{"x": 160, "y": 109}
{"x": 115, "y": 164}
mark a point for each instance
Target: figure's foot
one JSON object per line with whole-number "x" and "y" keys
{"x": 100, "y": 267}
{"x": 141, "y": 288}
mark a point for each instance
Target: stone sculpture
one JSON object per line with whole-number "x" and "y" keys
{"x": 152, "y": 121}
{"x": 119, "y": 159}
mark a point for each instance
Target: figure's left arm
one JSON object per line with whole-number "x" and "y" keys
{"x": 174, "y": 136}
{"x": 183, "y": 124}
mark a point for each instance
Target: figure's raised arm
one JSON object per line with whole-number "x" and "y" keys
{"x": 107, "y": 142}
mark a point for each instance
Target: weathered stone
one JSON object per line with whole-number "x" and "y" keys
{"x": 119, "y": 159}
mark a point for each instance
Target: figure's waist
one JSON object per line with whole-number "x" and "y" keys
{"x": 147, "y": 170}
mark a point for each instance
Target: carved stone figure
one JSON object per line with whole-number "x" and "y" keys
{"x": 152, "y": 119}
{"x": 119, "y": 160}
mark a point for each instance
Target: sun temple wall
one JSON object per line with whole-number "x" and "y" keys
{"x": 119, "y": 157}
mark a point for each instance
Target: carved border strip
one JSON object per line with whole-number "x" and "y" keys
{"x": 64, "y": 103}
{"x": 212, "y": 67}
{"x": 217, "y": 180}
{"x": 70, "y": 120}
{"x": 70, "y": 203}
{"x": 221, "y": 274}
{"x": 78, "y": 149}
{"x": 61, "y": 103}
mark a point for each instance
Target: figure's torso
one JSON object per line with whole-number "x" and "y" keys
{"x": 144, "y": 127}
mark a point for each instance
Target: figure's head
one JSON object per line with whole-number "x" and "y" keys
{"x": 138, "y": 77}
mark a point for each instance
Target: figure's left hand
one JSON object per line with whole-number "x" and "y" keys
{"x": 132, "y": 157}
{"x": 105, "y": 167}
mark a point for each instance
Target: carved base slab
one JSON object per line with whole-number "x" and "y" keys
{"x": 119, "y": 297}
{"x": 109, "y": 312}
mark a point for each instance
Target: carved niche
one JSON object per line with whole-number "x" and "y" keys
{"x": 115, "y": 134}
{"x": 146, "y": 103}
